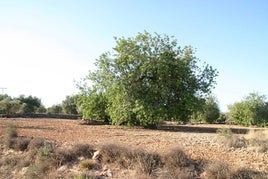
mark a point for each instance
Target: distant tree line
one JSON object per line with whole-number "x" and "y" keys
{"x": 30, "y": 105}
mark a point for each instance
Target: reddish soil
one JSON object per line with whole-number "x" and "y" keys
{"x": 198, "y": 141}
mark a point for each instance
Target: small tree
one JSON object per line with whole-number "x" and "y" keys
{"x": 209, "y": 112}
{"x": 252, "y": 110}
{"x": 55, "y": 109}
{"x": 69, "y": 105}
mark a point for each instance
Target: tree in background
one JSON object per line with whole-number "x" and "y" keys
{"x": 9, "y": 106}
{"x": 69, "y": 105}
{"x": 29, "y": 104}
{"x": 55, "y": 109}
{"x": 22, "y": 104}
{"x": 148, "y": 79}
{"x": 209, "y": 112}
{"x": 252, "y": 110}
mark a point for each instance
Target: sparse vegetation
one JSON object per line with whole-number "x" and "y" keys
{"x": 217, "y": 170}
{"x": 226, "y": 132}
{"x": 10, "y": 135}
{"x": 39, "y": 158}
{"x": 258, "y": 140}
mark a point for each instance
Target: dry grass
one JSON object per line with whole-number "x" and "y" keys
{"x": 217, "y": 170}
{"x": 247, "y": 173}
{"x": 36, "y": 143}
{"x": 236, "y": 142}
{"x": 42, "y": 161}
{"x": 176, "y": 158}
{"x": 258, "y": 140}
{"x": 10, "y": 134}
{"x": 21, "y": 143}
{"x": 146, "y": 163}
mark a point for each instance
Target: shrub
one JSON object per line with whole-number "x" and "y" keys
{"x": 258, "y": 140}
{"x": 130, "y": 159}
{"x": 21, "y": 143}
{"x": 112, "y": 153}
{"x": 88, "y": 164}
{"x": 147, "y": 163}
{"x": 83, "y": 150}
{"x": 34, "y": 172}
{"x": 231, "y": 140}
{"x": 178, "y": 165}
{"x": 63, "y": 155}
{"x": 247, "y": 173}
{"x": 176, "y": 158}
{"x": 36, "y": 143}
{"x": 10, "y": 134}
{"x": 70, "y": 153}
{"x": 237, "y": 142}
{"x": 217, "y": 170}
{"x": 9, "y": 161}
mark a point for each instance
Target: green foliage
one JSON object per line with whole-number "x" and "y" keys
{"x": 55, "y": 109}
{"x": 22, "y": 104}
{"x": 69, "y": 105}
{"x": 148, "y": 79}
{"x": 93, "y": 105}
{"x": 9, "y": 106}
{"x": 209, "y": 112}
{"x": 29, "y": 104}
{"x": 252, "y": 110}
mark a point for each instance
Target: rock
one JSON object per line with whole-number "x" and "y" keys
{"x": 96, "y": 155}
{"x": 107, "y": 173}
{"x": 24, "y": 170}
{"x": 62, "y": 168}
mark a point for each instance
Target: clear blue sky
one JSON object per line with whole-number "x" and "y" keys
{"x": 46, "y": 45}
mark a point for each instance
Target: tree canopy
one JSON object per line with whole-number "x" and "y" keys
{"x": 252, "y": 110}
{"x": 147, "y": 79}
{"x": 22, "y": 104}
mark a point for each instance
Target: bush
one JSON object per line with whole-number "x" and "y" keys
{"x": 130, "y": 159}
{"x": 83, "y": 150}
{"x": 258, "y": 140}
{"x": 237, "y": 142}
{"x": 252, "y": 110}
{"x": 88, "y": 164}
{"x": 70, "y": 153}
{"x": 176, "y": 158}
{"x": 36, "y": 143}
{"x": 147, "y": 163}
{"x": 63, "y": 155}
{"x": 10, "y": 134}
{"x": 9, "y": 161}
{"x": 217, "y": 170}
{"x": 231, "y": 140}
{"x": 247, "y": 173}
{"x": 21, "y": 143}
{"x": 112, "y": 153}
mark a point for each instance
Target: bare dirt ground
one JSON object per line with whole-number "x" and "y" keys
{"x": 198, "y": 141}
